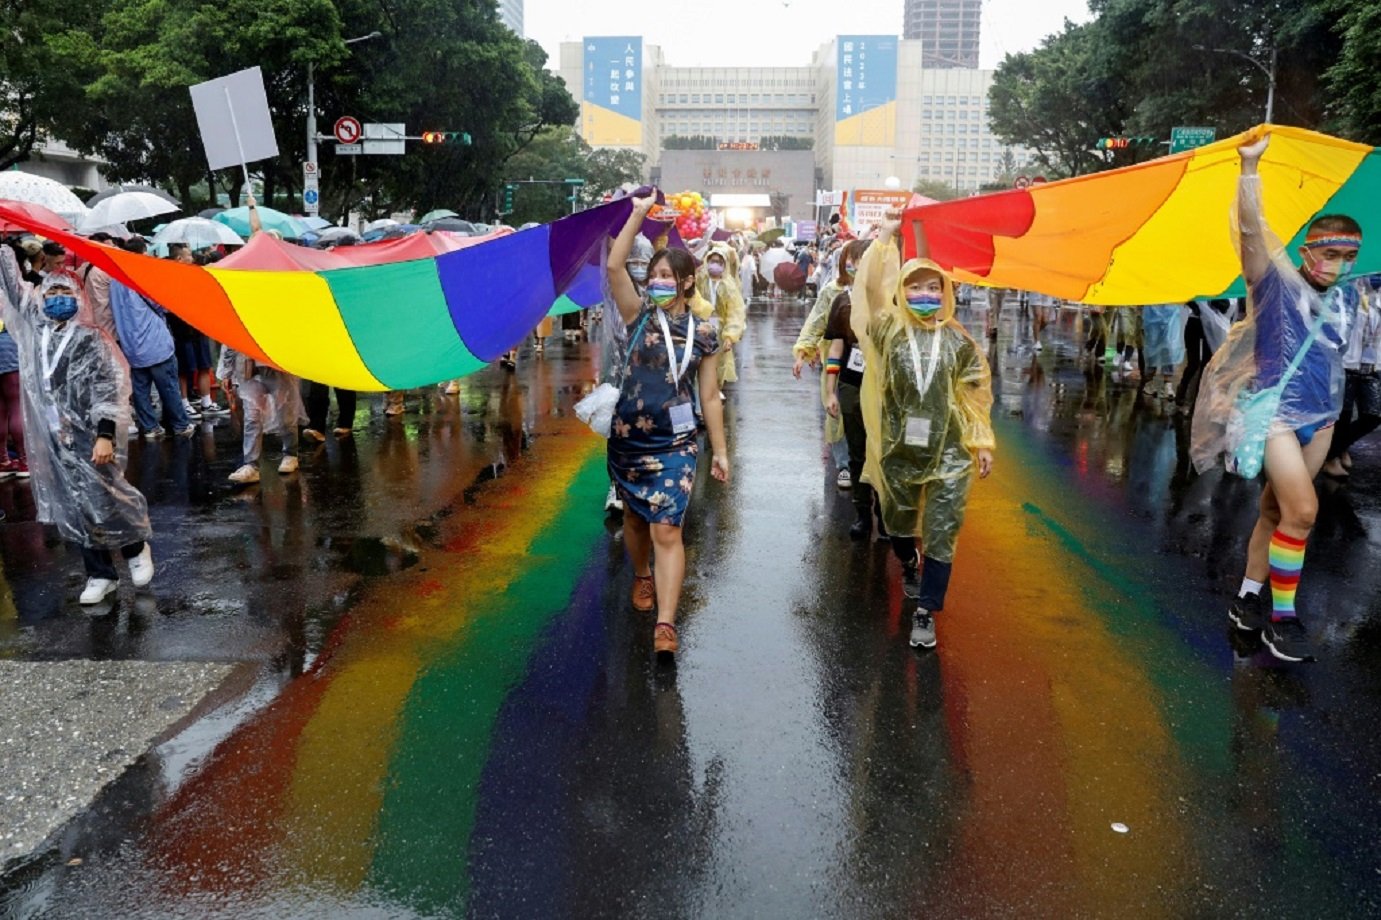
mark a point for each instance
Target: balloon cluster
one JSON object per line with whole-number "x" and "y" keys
{"x": 694, "y": 219}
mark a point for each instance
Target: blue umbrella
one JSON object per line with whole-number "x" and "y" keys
{"x": 237, "y": 219}
{"x": 316, "y": 223}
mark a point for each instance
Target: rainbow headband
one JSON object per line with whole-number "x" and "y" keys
{"x": 1335, "y": 241}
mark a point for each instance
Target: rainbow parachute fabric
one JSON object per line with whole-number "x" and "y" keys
{"x": 1157, "y": 232}
{"x": 382, "y": 317}
{"x": 412, "y": 314}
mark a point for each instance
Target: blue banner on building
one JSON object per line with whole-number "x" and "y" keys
{"x": 865, "y": 74}
{"x": 614, "y": 73}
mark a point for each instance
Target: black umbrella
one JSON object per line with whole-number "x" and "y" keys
{"x": 133, "y": 187}
{"x": 210, "y": 212}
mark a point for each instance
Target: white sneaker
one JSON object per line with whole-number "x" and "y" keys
{"x": 245, "y": 474}
{"x": 141, "y": 567}
{"x": 1128, "y": 367}
{"x": 289, "y": 465}
{"x": 1037, "y": 347}
{"x": 613, "y": 502}
{"x": 97, "y": 590}
{"x": 845, "y": 480}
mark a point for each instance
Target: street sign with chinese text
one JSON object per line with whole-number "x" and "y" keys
{"x": 1182, "y": 139}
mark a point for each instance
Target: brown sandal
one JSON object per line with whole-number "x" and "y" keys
{"x": 664, "y": 639}
{"x": 644, "y": 593}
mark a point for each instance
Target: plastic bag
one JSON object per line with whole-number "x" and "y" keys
{"x": 597, "y": 409}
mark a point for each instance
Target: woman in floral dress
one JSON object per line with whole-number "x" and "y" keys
{"x": 652, "y": 444}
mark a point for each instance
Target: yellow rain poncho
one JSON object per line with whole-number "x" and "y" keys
{"x": 726, "y": 300}
{"x": 808, "y": 347}
{"x": 927, "y": 401}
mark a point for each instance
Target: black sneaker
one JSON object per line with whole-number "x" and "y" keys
{"x": 911, "y": 578}
{"x": 1288, "y": 640}
{"x": 1248, "y": 612}
{"x": 862, "y": 529}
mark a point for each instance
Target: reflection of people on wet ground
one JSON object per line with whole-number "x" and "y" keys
{"x": 1362, "y": 384}
{"x": 926, "y": 399}
{"x": 76, "y": 398}
{"x": 652, "y": 444}
{"x": 844, "y": 371}
{"x": 808, "y": 350}
{"x": 1270, "y": 398}
{"x": 1162, "y": 327}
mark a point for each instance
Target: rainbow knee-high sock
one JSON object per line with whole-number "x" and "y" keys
{"x": 1287, "y": 558}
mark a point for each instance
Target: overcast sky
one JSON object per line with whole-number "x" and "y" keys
{"x": 775, "y": 33}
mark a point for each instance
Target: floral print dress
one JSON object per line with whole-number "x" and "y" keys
{"x": 650, "y": 461}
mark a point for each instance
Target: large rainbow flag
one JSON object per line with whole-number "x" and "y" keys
{"x": 1157, "y": 232}
{"x": 389, "y": 316}
{"x": 411, "y": 315}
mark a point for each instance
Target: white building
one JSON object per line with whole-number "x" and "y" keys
{"x": 869, "y": 107}
{"x": 511, "y": 14}
{"x": 53, "y": 159}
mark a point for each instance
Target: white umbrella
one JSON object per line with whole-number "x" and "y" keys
{"x": 135, "y": 187}
{"x": 197, "y": 232}
{"x": 127, "y": 206}
{"x": 53, "y": 195}
{"x": 119, "y": 231}
{"x": 379, "y": 224}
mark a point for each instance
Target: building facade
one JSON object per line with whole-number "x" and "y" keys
{"x": 947, "y": 31}
{"x": 867, "y": 107}
{"x": 762, "y": 181}
{"x": 511, "y": 14}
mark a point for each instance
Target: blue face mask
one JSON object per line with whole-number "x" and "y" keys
{"x": 638, "y": 272}
{"x": 661, "y": 293}
{"x": 924, "y": 305}
{"x": 60, "y": 307}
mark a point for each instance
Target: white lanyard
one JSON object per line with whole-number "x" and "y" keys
{"x": 50, "y": 366}
{"x": 671, "y": 349}
{"x": 714, "y": 293}
{"x": 924, "y": 379}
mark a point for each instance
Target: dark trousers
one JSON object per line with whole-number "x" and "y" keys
{"x": 1361, "y": 411}
{"x": 856, "y": 436}
{"x": 319, "y": 403}
{"x": 934, "y": 574}
{"x": 99, "y": 563}
{"x": 1196, "y": 358}
{"x": 162, "y": 377}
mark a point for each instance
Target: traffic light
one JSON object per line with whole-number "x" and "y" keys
{"x": 1122, "y": 143}
{"x": 508, "y": 191}
{"x": 447, "y": 137}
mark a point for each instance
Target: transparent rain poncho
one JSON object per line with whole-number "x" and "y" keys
{"x": 1162, "y": 335}
{"x": 276, "y": 395}
{"x": 726, "y": 300}
{"x": 925, "y": 418}
{"x": 1247, "y": 394}
{"x": 73, "y": 377}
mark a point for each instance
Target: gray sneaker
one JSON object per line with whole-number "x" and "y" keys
{"x": 922, "y": 629}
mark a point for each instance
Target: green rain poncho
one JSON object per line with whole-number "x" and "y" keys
{"x": 927, "y": 400}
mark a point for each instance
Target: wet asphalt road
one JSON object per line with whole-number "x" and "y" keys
{"x": 445, "y": 706}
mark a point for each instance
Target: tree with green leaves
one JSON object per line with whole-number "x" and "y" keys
{"x": 35, "y": 89}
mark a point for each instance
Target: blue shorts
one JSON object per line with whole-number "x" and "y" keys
{"x": 193, "y": 354}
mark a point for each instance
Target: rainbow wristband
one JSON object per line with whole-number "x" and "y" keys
{"x": 833, "y": 365}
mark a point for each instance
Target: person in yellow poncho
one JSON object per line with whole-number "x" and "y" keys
{"x": 927, "y": 400}
{"x": 717, "y": 284}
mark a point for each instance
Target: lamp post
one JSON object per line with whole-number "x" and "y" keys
{"x": 1270, "y": 72}
{"x": 311, "y": 96}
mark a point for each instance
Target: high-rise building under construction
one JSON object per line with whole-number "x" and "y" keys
{"x": 947, "y": 31}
